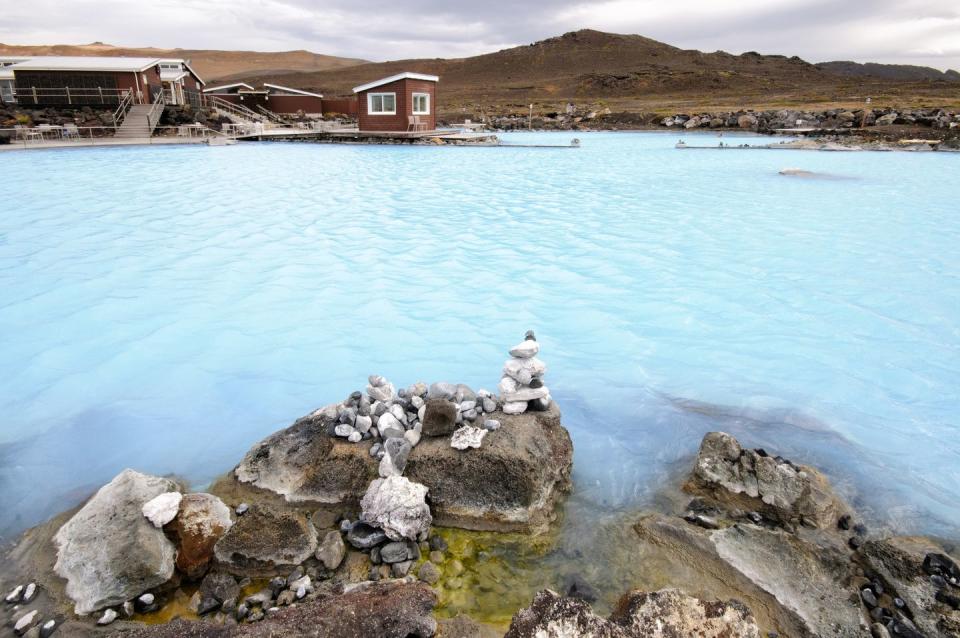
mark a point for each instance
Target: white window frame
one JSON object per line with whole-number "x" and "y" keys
{"x": 414, "y": 99}
{"x": 370, "y": 97}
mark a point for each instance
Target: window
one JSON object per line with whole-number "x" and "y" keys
{"x": 382, "y": 103}
{"x": 421, "y": 104}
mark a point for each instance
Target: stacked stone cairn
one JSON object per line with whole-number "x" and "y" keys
{"x": 522, "y": 387}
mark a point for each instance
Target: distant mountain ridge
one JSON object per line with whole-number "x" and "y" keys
{"x": 211, "y": 64}
{"x": 905, "y": 72}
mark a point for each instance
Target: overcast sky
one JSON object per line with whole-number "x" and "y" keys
{"x": 923, "y": 32}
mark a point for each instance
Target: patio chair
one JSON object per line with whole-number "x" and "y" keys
{"x": 71, "y": 131}
{"x": 25, "y": 133}
{"x": 411, "y": 123}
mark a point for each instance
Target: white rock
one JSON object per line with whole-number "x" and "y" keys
{"x": 417, "y": 402}
{"x": 398, "y": 506}
{"x": 383, "y": 393}
{"x": 489, "y": 404}
{"x": 470, "y": 415}
{"x": 355, "y": 437}
{"x": 362, "y": 424}
{"x": 343, "y": 430}
{"x": 147, "y": 599}
{"x": 162, "y": 509}
{"x": 25, "y": 622}
{"x": 29, "y": 593}
{"x": 387, "y": 468}
{"x": 526, "y": 394}
{"x": 422, "y": 410}
{"x": 523, "y": 370}
{"x": 14, "y": 595}
{"x": 398, "y": 412}
{"x": 491, "y": 425}
{"x": 108, "y": 617}
{"x": 376, "y": 380}
{"x": 128, "y": 609}
{"x": 412, "y": 436}
{"x": 467, "y": 437}
{"x": 508, "y": 384}
{"x": 47, "y": 627}
{"x": 525, "y": 349}
{"x": 301, "y": 592}
{"x": 515, "y": 408}
{"x": 389, "y": 426}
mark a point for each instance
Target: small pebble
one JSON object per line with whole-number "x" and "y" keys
{"x": 491, "y": 425}
{"x": 242, "y": 509}
{"x": 29, "y": 593}
{"x": 108, "y": 617}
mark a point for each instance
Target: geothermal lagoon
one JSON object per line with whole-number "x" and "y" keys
{"x": 164, "y": 309}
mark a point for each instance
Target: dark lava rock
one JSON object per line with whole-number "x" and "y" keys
{"x": 868, "y": 598}
{"x": 364, "y": 536}
{"x": 439, "y": 418}
{"x": 578, "y": 588}
{"x": 265, "y": 541}
{"x": 394, "y": 552}
{"x": 216, "y": 588}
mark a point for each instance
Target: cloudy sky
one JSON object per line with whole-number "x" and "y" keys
{"x": 923, "y": 32}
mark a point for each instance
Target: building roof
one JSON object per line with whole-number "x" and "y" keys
{"x": 223, "y": 87}
{"x": 84, "y": 63}
{"x": 289, "y": 90}
{"x": 406, "y": 75}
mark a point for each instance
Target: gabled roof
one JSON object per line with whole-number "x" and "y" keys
{"x": 84, "y": 63}
{"x": 406, "y": 75}
{"x": 186, "y": 64}
{"x": 227, "y": 86}
{"x": 289, "y": 90}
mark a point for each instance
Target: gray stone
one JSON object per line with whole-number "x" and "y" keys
{"x": 364, "y": 536}
{"x": 467, "y": 405}
{"x": 394, "y": 552}
{"x": 382, "y": 393}
{"x": 108, "y": 617}
{"x": 362, "y": 424}
{"x": 162, "y": 508}
{"x": 331, "y": 551}
{"x": 524, "y": 370}
{"x": 526, "y": 349}
{"x": 525, "y": 394}
{"x": 344, "y": 430}
{"x": 395, "y": 459}
{"x": 109, "y": 535}
{"x": 442, "y": 390}
{"x": 390, "y": 427}
{"x": 429, "y": 573}
{"x": 355, "y": 437}
{"x": 397, "y": 505}
{"x": 26, "y": 621}
{"x": 753, "y": 480}
{"x": 491, "y": 425}
{"x": 47, "y": 628}
{"x": 440, "y": 417}
{"x": 516, "y": 407}
{"x": 401, "y": 569}
{"x": 489, "y": 405}
{"x": 412, "y": 437}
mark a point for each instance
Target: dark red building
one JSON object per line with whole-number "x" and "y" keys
{"x": 402, "y": 102}
{"x": 279, "y": 99}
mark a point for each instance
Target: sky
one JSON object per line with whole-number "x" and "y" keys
{"x": 924, "y": 32}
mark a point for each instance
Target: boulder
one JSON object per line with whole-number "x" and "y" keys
{"x": 747, "y": 121}
{"x": 266, "y": 540}
{"x": 332, "y": 550}
{"x": 203, "y": 519}
{"x": 439, "y": 417}
{"x": 294, "y": 463}
{"x": 467, "y": 437}
{"x": 511, "y": 483}
{"x": 397, "y": 506}
{"x": 668, "y": 613}
{"x": 108, "y": 552}
{"x": 216, "y": 589}
{"x": 753, "y": 480}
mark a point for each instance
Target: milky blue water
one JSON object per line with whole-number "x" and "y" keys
{"x": 165, "y": 308}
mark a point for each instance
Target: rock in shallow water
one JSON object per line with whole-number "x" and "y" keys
{"x": 663, "y": 614}
{"x": 109, "y": 552}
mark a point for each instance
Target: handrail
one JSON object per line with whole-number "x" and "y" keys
{"x": 84, "y": 135}
{"x": 121, "y": 111}
{"x": 156, "y": 111}
{"x": 234, "y": 109}
{"x": 271, "y": 115}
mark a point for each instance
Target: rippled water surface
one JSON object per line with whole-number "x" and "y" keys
{"x": 164, "y": 308}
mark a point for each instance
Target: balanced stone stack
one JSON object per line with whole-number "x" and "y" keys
{"x": 522, "y": 387}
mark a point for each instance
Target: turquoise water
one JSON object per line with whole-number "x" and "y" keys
{"x": 164, "y": 308}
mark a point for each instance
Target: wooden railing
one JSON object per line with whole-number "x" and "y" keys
{"x": 68, "y": 96}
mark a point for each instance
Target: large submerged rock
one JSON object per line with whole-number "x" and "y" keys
{"x": 511, "y": 483}
{"x": 667, "y": 613}
{"x": 108, "y": 551}
{"x": 784, "y": 491}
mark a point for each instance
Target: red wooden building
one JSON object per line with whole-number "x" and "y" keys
{"x": 92, "y": 81}
{"x": 273, "y": 97}
{"x": 402, "y": 102}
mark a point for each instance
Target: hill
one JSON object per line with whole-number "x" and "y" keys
{"x": 905, "y": 72}
{"x": 212, "y": 65}
{"x": 624, "y": 71}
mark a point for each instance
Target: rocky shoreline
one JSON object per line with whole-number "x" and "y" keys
{"x": 345, "y": 524}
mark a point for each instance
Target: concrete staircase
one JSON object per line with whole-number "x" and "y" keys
{"x": 138, "y": 122}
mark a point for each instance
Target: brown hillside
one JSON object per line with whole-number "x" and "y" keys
{"x": 212, "y": 65}
{"x": 626, "y": 71}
